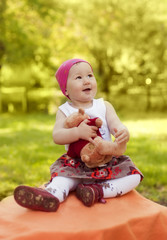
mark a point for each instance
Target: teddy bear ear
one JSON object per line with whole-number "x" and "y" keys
{"x": 81, "y": 111}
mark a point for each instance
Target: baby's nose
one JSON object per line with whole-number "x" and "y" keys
{"x": 86, "y": 80}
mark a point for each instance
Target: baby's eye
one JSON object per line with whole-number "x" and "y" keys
{"x": 78, "y": 77}
{"x": 90, "y": 75}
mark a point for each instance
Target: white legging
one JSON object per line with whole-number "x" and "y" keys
{"x": 61, "y": 186}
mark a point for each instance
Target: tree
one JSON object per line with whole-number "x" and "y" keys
{"x": 126, "y": 39}
{"x": 2, "y": 35}
{"x": 25, "y": 31}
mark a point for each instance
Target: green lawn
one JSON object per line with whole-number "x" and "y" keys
{"x": 27, "y": 151}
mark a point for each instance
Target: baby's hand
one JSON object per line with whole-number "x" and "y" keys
{"x": 121, "y": 135}
{"x": 87, "y": 132}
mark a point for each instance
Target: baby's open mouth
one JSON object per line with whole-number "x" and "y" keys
{"x": 87, "y": 89}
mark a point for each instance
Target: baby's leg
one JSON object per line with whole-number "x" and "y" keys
{"x": 47, "y": 199}
{"x": 92, "y": 193}
{"x": 61, "y": 186}
{"x": 120, "y": 186}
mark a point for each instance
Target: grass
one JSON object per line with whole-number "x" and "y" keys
{"x": 147, "y": 148}
{"x": 27, "y": 151}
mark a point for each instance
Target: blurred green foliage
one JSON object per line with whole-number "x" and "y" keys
{"x": 125, "y": 41}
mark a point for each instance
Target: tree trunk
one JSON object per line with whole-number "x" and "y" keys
{"x": 148, "y": 95}
{"x": 2, "y": 41}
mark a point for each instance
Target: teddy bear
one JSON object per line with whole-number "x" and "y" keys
{"x": 93, "y": 154}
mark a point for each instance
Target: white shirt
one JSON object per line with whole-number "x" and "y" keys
{"x": 98, "y": 109}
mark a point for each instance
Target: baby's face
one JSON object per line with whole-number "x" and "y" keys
{"x": 81, "y": 83}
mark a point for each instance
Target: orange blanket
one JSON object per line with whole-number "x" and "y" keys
{"x": 130, "y": 217}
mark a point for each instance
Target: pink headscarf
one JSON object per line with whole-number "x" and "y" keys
{"x": 63, "y": 71}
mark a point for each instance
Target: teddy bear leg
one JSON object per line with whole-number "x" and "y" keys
{"x": 110, "y": 148}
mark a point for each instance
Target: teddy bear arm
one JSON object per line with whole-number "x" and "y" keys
{"x": 85, "y": 158}
{"x": 86, "y": 152}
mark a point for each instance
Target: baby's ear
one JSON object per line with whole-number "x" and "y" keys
{"x": 66, "y": 92}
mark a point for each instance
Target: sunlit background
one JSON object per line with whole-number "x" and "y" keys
{"x": 126, "y": 44}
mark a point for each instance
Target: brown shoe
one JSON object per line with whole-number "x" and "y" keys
{"x": 90, "y": 194}
{"x": 36, "y": 199}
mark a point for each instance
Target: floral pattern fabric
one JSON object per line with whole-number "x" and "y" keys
{"x": 73, "y": 167}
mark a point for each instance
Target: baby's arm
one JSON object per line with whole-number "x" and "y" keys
{"x": 63, "y": 135}
{"x": 117, "y": 129}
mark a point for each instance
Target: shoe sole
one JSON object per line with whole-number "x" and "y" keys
{"x": 35, "y": 199}
{"x": 86, "y": 194}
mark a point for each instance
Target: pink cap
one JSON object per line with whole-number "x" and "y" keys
{"x": 63, "y": 71}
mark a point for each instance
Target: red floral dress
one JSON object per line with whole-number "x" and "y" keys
{"x": 118, "y": 167}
